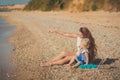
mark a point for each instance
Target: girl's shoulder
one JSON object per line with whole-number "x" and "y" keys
{"x": 85, "y": 51}
{"x": 79, "y": 38}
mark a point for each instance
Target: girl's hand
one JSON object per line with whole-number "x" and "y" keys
{"x": 52, "y": 31}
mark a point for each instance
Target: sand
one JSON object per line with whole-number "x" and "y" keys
{"x": 33, "y": 44}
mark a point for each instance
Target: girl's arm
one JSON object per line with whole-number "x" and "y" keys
{"x": 64, "y": 33}
{"x": 87, "y": 57}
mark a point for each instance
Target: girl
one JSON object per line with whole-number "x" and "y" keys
{"x": 83, "y": 33}
{"x": 82, "y": 56}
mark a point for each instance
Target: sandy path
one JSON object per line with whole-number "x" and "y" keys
{"x": 34, "y": 45}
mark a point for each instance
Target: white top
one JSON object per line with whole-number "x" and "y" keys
{"x": 82, "y": 51}
{"x": 78, "y": 41}
{"x": 78, "y": 44}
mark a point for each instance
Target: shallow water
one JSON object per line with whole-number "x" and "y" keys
{"x": 6, "y": 48}
{"x": 11, "y": 2}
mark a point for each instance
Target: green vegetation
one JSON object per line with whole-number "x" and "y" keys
{"x": 113, "y": 5}
{"x": 47, "y": 5}
{"x": 93, "y": 5}
{"x": 89, "y": 5}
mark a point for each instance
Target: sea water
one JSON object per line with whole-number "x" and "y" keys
{"x": 6, "y": 48}
{"x": 10, "y": 2}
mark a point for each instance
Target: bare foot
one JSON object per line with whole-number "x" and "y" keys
{"x": 67, "y": 65}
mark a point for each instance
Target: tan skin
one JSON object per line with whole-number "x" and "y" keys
{"x": 64, "y": 56}
{"x": 74, "y": 58}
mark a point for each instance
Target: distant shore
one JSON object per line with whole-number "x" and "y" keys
{"x": 34, "y": 45}
{"x": 12, "y": 7}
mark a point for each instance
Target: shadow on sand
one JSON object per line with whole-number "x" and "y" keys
{"x": 107, "y": 61}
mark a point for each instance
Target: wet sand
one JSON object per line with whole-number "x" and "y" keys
{"x": 34, "y": 45}
{"x": 6, "y": 65}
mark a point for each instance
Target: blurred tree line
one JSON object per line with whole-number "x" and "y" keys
{"x": 89, "y": 5}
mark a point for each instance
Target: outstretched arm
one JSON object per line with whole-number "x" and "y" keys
{"x": 64, "y": 33}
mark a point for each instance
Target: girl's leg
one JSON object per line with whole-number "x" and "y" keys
{"x": 71, "y": 61}
{"x": 61, "y": 61}
{"x": 76, "y": 65}
{"x": 62, "y": 55}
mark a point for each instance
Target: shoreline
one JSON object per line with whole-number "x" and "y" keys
{"x": 6, "y": 48}
{"x": 19, "y": 48}
{"x": 34, "y": 45}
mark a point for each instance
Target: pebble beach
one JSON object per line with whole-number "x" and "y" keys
{"x": 33, "y": 44}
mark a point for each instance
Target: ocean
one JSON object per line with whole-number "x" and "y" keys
{"x": 6, "y": 48}
{"x": 10, "y": 2}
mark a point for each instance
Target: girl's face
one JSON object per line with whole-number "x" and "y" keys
{"x": 80, "y": 34}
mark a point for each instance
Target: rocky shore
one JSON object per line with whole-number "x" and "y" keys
{"x": 33, "y": 44}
